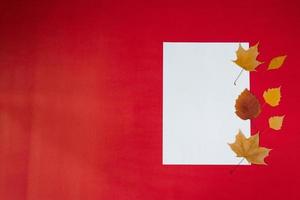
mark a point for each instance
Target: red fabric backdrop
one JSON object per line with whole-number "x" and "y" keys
{"x": 81, "y": 98}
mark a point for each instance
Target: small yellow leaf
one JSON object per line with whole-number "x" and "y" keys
{"x": 249, "y": 148}
{"x": 246, "y": 59}
{"x": 272, "y": 96}
{"x": 276, "y": 122}
{"x": 276, "y": 62}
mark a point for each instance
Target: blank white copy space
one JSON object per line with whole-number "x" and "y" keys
{"x": 198, "y": 103}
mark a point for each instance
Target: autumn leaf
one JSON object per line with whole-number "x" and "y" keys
{"x": 276, "y": 62}
{"x": 246, "y": 59}
{"x": 276, "y": 122}
{"x": 272, "y": 96}
{"x": 249, "y": 148}
{"x": 247, "y": 105}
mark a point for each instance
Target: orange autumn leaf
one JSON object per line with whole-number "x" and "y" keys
{"x": 246, "y": 59}
{"x": 247, "y": 105}
{"x": 249, "y": 149}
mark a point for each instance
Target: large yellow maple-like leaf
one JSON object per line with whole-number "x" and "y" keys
{"x": 246, "y": 59}
{"x": 249, "y": 149}
{"x": 276, "y": 122}
{"x": 276, "y": 62}
{"x": 272, "y": 96}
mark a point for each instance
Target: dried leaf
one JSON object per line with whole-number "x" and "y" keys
{"x": 246, "y": 59}
{"x": 272, "y": 96}
{"x": 247, "y": 105}
{"x": 249, "y": 149}
{"x": 276, "y": 122}
{"x": 276, "y": 62}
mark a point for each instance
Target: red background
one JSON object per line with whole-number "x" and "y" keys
{"x": 81, "y": 98}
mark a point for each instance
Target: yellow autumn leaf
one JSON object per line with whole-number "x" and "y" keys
{"x": 249, "y": 149}
{"x": 272, "y": 96}
{"x": 246, "y": 59}
{"x": 276, "y": 62}
{"x": 276, "y": 122}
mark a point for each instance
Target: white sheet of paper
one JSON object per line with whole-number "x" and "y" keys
{"x": 199, "y": 117}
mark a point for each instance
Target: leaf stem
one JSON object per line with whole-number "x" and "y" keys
{"x": 236, "y": 166}
{"x": 238, "y": 77}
